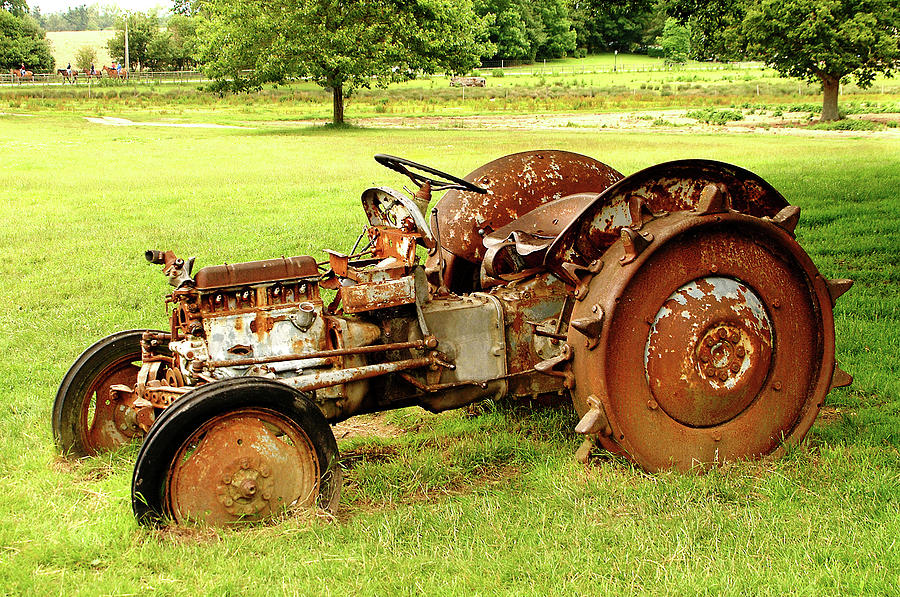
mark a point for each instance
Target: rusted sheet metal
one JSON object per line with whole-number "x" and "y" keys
{"x": 516, "y": 184}
{"x": 245, "y": 465}
{"x": 378, "y": 295}
{"x": 531, "y": 310}
{"x": 669, "y": 187}
{"x": 716, "y": 342}
{"x": 255, "y": 272}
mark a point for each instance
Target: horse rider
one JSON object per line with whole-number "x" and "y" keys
{"x": 92, "y": 69}
{"x": 118, "y": 69}
{"x": 22, "y": 70}
{"x": 69, "y": 69}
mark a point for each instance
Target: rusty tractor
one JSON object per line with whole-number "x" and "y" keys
{"x": 673, "y": 306}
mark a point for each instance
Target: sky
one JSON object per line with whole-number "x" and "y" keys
{"x": 48, "y": 6}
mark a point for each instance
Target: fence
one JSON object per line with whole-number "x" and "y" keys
{"x": 83, "y": 79}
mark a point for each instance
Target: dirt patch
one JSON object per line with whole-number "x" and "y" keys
{"x": 366, "y": 426}
{"x": 668, "y": 121}
{"x": 109, "y": 120}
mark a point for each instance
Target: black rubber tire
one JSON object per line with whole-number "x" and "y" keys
{"x": 178, "y": 423}
{"x": 72, "y": 395}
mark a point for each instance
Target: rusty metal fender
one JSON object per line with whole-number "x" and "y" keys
{"x": 663, "y": 188}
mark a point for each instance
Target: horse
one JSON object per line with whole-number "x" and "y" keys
{"x": 22, "y": 74}
{"x": 70, "y": 78}
{"x": 97, "y": 73}
{"x": 114, "y": 74}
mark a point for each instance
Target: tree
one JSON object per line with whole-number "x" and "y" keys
{"x": 85, "y": 56}
{"x": 603, "y": 26}
{"x": 17, "y": 8}
{"x": 142, "y": 28}
{"x": 528, "y": 29}
{"x": 22, "y": 40}
{"x": 342, "y": 46}
{"x": 715, "y": 26}
{"x": 820, "y": 41}
{"x": 826, "y": 41}
{"x": 675, "y": 42}
{"x": 183, "y": 30}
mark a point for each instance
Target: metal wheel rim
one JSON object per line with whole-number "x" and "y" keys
{"x": 243, "y": 466}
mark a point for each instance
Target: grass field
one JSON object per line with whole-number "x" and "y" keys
{"x": 484, "y": 502}
{"x": 66, "y": 43}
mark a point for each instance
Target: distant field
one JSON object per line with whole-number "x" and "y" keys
{"x": 66, "y": 43}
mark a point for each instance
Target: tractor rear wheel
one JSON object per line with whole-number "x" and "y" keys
{"x": 706, "y": 337}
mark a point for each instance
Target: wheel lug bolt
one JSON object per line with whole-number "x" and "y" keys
{"x": 740, "y": 351}
{"x": 226, "y": 480}
{"x": 735, "y": 367}
{"x": 735, "y": 337}
{"x": 229, "y": 502}
{"x": 723, "y": 374}
{"x": 711, "y": 371}
{"x": 704, "y": 358}
{"x": 723, "y": 333}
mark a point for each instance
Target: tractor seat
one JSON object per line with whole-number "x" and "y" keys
{"x": 519, "y": 247}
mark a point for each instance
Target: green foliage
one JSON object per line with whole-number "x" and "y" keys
{"x": 675, "y": 42}
{"x": 848, "y": 125}
{"x": 85, "y": 56}
{"x": 23, "y": 41}
{"x": 527, "y": 29}
{"x": 340, "y": 46}
{"x": 80, "y": 18}
{"x": 713, "y": 116}
{"x": 142, "y": 28}
{"x": 604, "y": 26}
{"x": 820, "y": 41}
{"x": 149, "y": 46}
{"x": 715, "y": 26}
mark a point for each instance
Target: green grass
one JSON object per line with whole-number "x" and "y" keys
{"x": 487, "y": 502}
{"x": 65, "y": 43}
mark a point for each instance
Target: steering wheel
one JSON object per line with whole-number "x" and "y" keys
{"x": 440, "y": 181}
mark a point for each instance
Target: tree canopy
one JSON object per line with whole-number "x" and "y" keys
{"x": 528, "y": 29}
{"x": 342, "y": 46}
{"x": 22, "y": 41}
{"x": 826, "y": 40}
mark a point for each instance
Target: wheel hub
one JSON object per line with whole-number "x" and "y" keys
{"x": 246, "y": 487}
{"x": 708, "y": 351}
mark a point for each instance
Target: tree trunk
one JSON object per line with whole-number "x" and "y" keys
{"x": 337, "y": 96}
{"x": 830, "y": 87}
